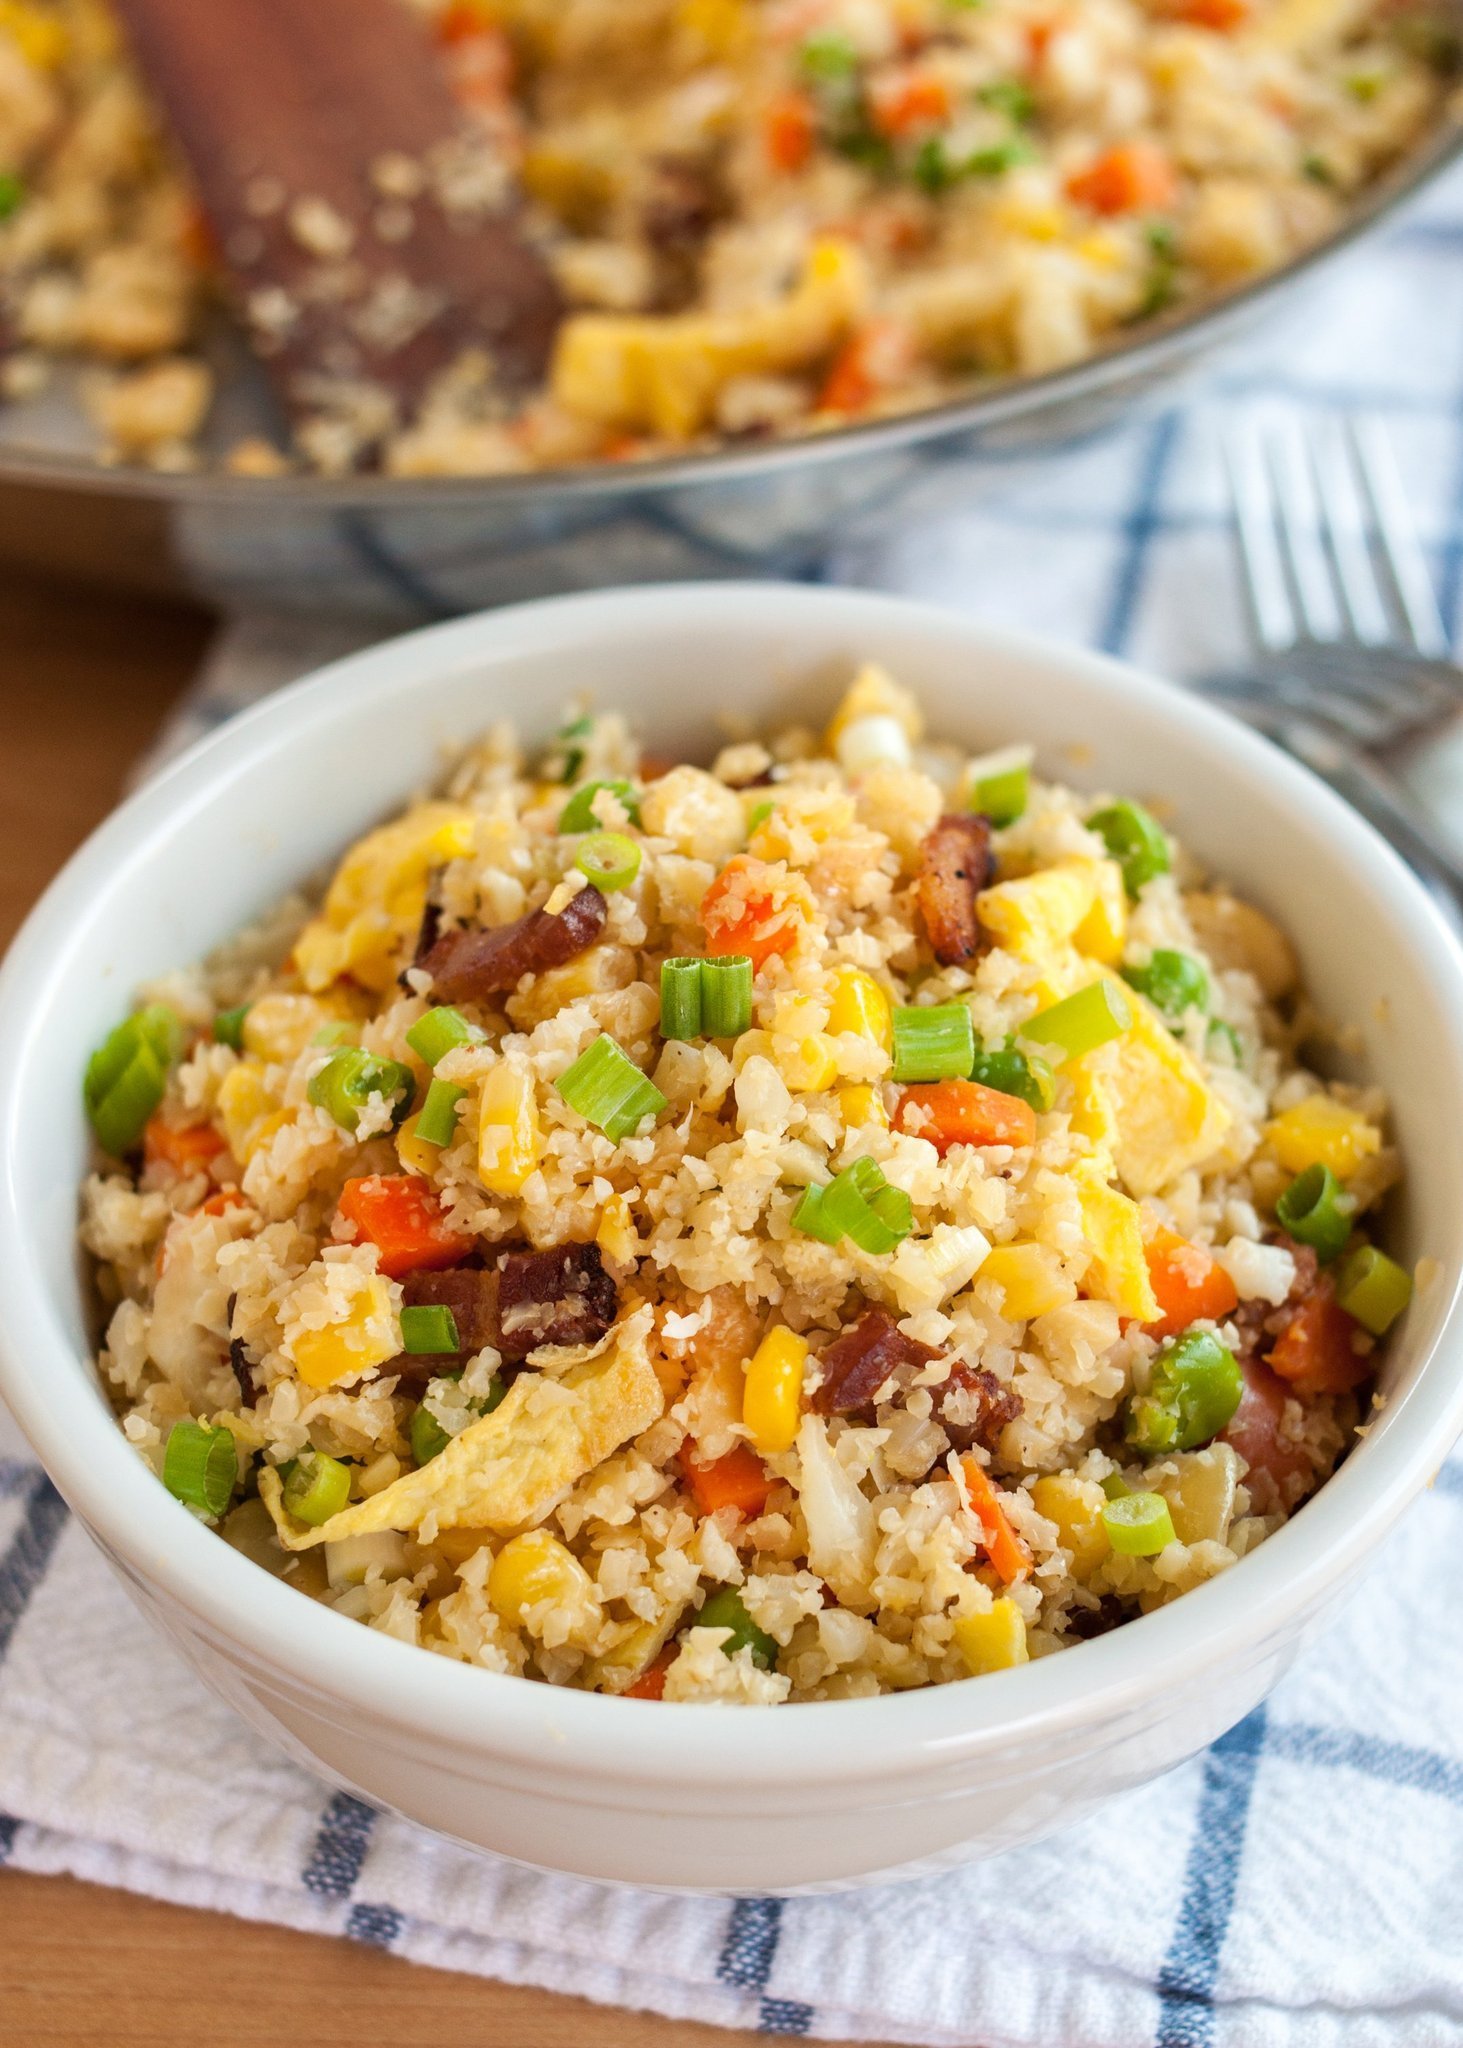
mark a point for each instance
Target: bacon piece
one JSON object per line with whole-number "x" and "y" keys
{"x": 561, "y": 1296}
{"x": 1260, "y": 1324}
{"x": 471, "y": 964}
{"x": 1085, "y": 1623}
{"x": 972, "y": 1407}
{"x": 858, "y": 1363}
{"x": 955, "y": 864}
{"x": 471, "y": 1292}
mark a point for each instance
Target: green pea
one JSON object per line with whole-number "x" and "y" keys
{"x": 1173, "y": 982}
{"x": 1194, "y": 1391}
{"x": 724, "y": 1609}
{"x": 1135, "y": 839}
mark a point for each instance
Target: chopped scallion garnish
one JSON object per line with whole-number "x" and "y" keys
{"x": 1000, "y": 785}
{"x": 609, "y": 1091}
{"x": 1025, "y": 1075}
{"x": 228, "y": 1027}
{"x": 437, "y": 1119}
{"x": 1316, "y": 1210}
{"x": 350, "y": 1077}
{"x": 200, "y": 1467}
{"x": 316, "y": 1487}
{"x": 857, "y": 1203}
{"x": 726, "y": 995}
{"x": 609, "y": 860}
{"x": 1138, "y": 1524}
{"x": 680, "y": 998}
{"x": 1135, "y": 840}
{"x": 1373, "y": 1288}
{"x": 936, "y": 1043}
{"x": 1081, "y": 1022}
{"x": 429, "y": 1327}
{"x": 441, "y": 1031}
{"x": 578, "y": 814}
{"x": 127, "y": 1076}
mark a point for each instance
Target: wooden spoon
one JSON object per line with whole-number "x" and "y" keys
{"x": 322, "y": 136}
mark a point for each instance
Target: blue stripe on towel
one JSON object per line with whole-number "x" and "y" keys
{"x": 9, "y": 1829}
{"x": 748, "y": 1952}
{"x": 24, "y": 1563}
{"x": 1191, "y": 1967}
{"x": 15, "y": 1475}
{"x": 1394, "y": 1763}
{"x": 374, "y": 1926}
{"x": 1139, "y": 529}
{"x": 339, "y": 1849}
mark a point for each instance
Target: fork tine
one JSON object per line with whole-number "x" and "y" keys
{"x": 1400, "y": 546}
{"x": 1300, "y": 526}
{"x": 1344, "y": 524}
{"x": 1254, "y": 519}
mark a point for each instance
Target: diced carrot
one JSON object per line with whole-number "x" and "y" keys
{"x": 1007, "y": 1553}
{"x": 1133, "y": 177}
{"x": 1038, "y": 39}
{"x": 1316, "y": 1352}
{"x": 964, "y": 1113}
{"x": 650, "y": 1685}
{"x": 222, "y": 1202}
{"x": 788, "y": 132}
{"x": 741, "y": 913}
{"x": 654, "y": 766}
{"x": 464, "y": 20}
{"x": 187, "y": 1148}
{"x": 1190, "y": 1285}
{"x": 738, "y": 1480}
{"x": 197, "y": 242}
{"x": 1224, "y": 16}
{"x": 875, "y": 359}
{"x": 400, "y": 1214}
{"x": 621, "y": 447}
{"x": 906, "y": 100}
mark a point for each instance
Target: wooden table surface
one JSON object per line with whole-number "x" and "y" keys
{"x": 85, "y": 678}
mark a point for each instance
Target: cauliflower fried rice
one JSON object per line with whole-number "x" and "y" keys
{"x": 851, "y": 1219}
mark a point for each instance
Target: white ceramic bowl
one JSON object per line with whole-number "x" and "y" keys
{"x": 687, "y": 1796}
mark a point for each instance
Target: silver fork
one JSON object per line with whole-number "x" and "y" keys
{"x": 1352, "y": 673}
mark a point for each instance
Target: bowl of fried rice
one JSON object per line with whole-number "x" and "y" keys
{"x": 597, "y": 1171}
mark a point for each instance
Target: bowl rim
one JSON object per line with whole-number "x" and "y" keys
{"x": 431, "y": 1699}
{"x": 1151, "y": 349}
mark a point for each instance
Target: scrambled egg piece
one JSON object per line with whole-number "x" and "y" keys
{"x": 507, "y": 1470}
{"x": 374, "y": 905}
{"x": 1166, "y": 1118}
{"x": 1111, "y": 1224}
{"x": 664, "y": 375}
{"x": 1036, "y": 915}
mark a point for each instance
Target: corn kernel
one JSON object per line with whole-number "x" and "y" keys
{"x": 41, "y": 38}
{"x": 861, "y": 1103}
{"x": 617, "y": 1235}
{"x": 773, "y": 1396}
{"x": 1322, "y": 1132}
{"x": 993, "y": 1641}
{"x": 367, "y": 1337}
{"x": 250, "y": 1115}
{"x": 414, "y": 1153}
{"x": 1030, "y": 1280}
{"x": 510, "y": 1138}
{"x": 1075, "y": 1505}
{"x": 281, "y": 1026}
{"x": 535, "y": 1567}
{"x": 860, "y": 1005}
{"x": 806, "y": 1064}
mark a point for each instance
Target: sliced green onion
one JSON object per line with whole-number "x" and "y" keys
{"x": 609, "y": 1091}
{"x": 1025, "y": 1075}
{"x": 442, "y": 1031}
{"x": 127, "y": 1075}
{"x": 609, "y": 860}
{"x": 1173, "y": 982}
{"x": 680, "y": 998}
{"x": 228, "y": 1027}
{"x": 316, "y": 1487}
{"x": 726, "y": 995}
{"x": 760, "y": 813}
{"x": 1221, "y": 1033}
{"x": 576, "y": 729}
{"x": 578, "y": 814}
{"x": 1316, "y": 1210}
{"x": 1136, "y": 840}
{"x": 200, "y": 1466}
{"x": 437, "y": 1120}
{"x": 1081, "y": 1022}
{"x": 1138, "y": 1525}
{"x": 12, "y": 191}
{"x": 1116, "y": 1487}
{"x": 936, "y": 1043}
{"x": 1000, "y": 785}
{"x": 725, "y": 1608}
{"x": 429, "y": 1327}
{"x": 333, "y": 1034}
{"x": 1193, "y": 1393}
{"x": 1373, "y": 1288}
{"x": 1009, "y": 96}
{"x": 428, "y": 1438}
{"x": 350, "y": 1077}
{"x": 808, "y": 1216}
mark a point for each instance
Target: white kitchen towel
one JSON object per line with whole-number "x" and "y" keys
{"x": 1295, "y": 1887}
